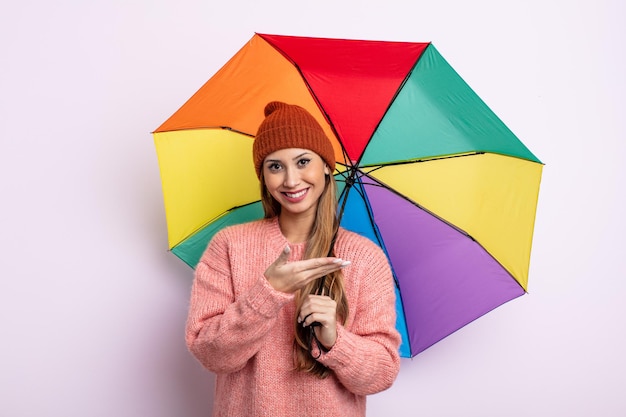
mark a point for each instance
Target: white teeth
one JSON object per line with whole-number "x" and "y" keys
{"x": 296, "y": 195}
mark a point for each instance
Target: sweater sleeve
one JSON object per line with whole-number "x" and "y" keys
{"x": 365, "y": 358}
{"x": 225, "y": 330}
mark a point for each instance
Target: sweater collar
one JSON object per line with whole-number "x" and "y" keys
{"x": 276, "y": 235}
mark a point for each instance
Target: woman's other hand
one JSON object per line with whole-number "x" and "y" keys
{"x": 323, "y": 310}
{"x": 289, "y": 277}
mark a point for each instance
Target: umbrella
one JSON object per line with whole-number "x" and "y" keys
{"x": 424, "y": 168}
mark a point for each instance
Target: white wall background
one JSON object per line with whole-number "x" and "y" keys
{"x": 92, "y": 304}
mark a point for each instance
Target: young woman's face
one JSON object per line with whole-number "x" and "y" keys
{"x": 296, "y": 179}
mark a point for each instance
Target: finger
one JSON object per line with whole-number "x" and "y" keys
{"x": 303, "y": 321}
{"x": 317, "y": 308}
{"x": 313, "y": 318}
{"x": 316, "y": 298}
{"x": 324, "y": 262}
{"x": 324, "y": 318}
{"x": 284, "y": 255}
{"x": 318, "y": 267}
{"x": 316, "y": 301}
{"x": 342, "y": 263}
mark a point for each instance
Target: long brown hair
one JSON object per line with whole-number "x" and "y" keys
{"x": 319, "y": 244}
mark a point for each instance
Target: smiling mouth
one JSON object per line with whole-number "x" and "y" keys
{"x": 295, "y": 195}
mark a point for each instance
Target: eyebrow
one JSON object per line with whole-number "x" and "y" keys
{"x": 293, "y": 159}
{"x": 300, "y": 156}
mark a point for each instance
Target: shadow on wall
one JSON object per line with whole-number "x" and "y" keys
{"x": 192, "y": 384}
{"x": 190, "y": 387}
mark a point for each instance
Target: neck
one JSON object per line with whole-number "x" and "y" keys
{"x": 296, "y": 229}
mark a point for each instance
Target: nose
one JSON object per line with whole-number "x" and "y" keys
{"x": 292, "y": 178}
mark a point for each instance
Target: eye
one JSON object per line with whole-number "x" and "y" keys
{"x": 274, "y": 166}
{"x": 302, "y": 162}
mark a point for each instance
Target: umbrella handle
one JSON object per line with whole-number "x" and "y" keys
{"x": 312, "y": 337}
{"x": 320, "y": 287}
{"x": 318, "y": 291}
{"x": 320, "y": 347}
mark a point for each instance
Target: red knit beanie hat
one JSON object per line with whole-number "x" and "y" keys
{"x": 290, "y": 126}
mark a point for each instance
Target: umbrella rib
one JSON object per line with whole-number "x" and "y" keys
{"x": 211, "y": 128}
{"x": 350, "y": 180}
{"x": 377, "y": 183}
{"x": 404, "y": 81}
{"x": 435, "y": 158}
{"x": 224, "y": 213}
{"x": 315, "y": 98}
{"x": 417, "y": 161}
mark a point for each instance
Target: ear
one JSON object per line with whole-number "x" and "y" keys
{"x": 326, "y": 170}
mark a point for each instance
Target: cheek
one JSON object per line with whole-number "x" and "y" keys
{"x": 319, "y": 180}
{"x": 271, "y": 181}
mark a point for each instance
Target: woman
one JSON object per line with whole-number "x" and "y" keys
{"x": 294, "y": 314}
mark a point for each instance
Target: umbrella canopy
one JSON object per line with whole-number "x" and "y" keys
{"x": 424, "y": 167}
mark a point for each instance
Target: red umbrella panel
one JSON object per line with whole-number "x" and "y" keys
{"x": 425, "y": 169}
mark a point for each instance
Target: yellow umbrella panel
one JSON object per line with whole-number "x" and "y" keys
{"x": 193, "y": 166}
{"x": 490, "y": 197}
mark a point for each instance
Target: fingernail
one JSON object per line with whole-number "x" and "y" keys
{"x": 338, "y": 261}
{"x": 345, "y": 263}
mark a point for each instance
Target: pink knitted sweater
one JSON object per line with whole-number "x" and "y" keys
{"x": 243, "y": 330}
